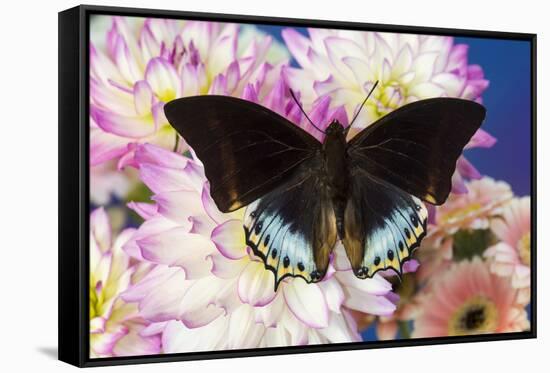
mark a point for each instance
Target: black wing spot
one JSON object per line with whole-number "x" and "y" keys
{"x": 266, "y": 240}
{"x": 362, "y": 272}
{"x": 286, "y": 262}
{"x": 316, "y": 275}
{"x": 258, "y": 228}
{"x": 274, "y": 253}
{"x": 390, "y": 255}
{"x": 407, "y": 233}
{"x": 377, "y": 261}
{"x": 417, "y": 207}
{"x": 414, "y": 220}
{"x": 401, "y": 246}
{"x": 301, "y": 266}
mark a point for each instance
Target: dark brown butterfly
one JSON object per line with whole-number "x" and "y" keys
{"x": 303, "y": 195}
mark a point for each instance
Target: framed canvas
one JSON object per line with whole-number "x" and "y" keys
{"x": 232, "y": 186}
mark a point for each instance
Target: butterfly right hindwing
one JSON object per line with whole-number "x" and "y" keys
{"x": 383, "y": 225}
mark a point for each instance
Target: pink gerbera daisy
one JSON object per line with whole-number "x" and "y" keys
{"x": 467, "y": 300}
{"x": 512, "y": 256}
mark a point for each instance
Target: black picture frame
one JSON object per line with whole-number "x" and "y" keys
{"x": 74, "y": 209}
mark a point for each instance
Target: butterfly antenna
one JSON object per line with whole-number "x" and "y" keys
{"x": 361, "y": 107}
{"x": 302, "y": 110}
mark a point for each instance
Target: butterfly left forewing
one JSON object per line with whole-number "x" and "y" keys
{"x": 247, "y": 150}
{"x": 292, "y": 229}
{"x": 416, "y": 147}
{"x": 383, "y": 225}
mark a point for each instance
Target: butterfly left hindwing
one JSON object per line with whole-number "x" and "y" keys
{"x": 290, "y": 231}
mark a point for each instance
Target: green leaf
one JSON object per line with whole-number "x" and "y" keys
{"x": 140, "y": 193}
{"x": 469, "y": 243}
{"x": 404, "y": 329}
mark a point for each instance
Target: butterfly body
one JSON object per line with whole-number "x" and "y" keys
{"x": 336, "y": 171}
{"x": 302, "y": 195}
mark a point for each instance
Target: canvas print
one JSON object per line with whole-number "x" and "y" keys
{"x": 256, "y": 186}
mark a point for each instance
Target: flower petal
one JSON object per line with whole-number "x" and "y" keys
{"x": 155, "y": 293}
{"x": 297, "y": 44}
{"x": 334, "y": 295}
{"x": 101, "y": 229}
{"x": 227, "y": 268}
{"x": 243, "y": 331}
{"x": 368, "y": 303}
{"x": 271, "y": 314}
{"x": 178, "y": 338}
{"x": 125, "y": 61}
{"x": 481, "y": 139}
{"x": 307, "y": 303}
{"x": 143, "y": 97}
{"x": 163, "y": 79}
{"x": 256, "y": 285}
{"x": 229, "y": 239}
{"x": 198, "y": 306}
{"x": 148, "y": 153}
{"x": 170, "y": 204}
{"x": 126, "y": 126}
{"x": 178, "y": 247}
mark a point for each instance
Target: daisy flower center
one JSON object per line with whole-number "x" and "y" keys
{"x": 461, "y": 213}
{"x": 524, "y": 248}
{"x": 477, "y": 315}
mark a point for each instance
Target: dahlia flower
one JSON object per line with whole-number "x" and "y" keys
{"x": 468, "y": 300}
{"x": 208, "y": 290}
{"x": 114, "y": 325}
{"x": 136, "y": 67}
{"x": 512, "y": 256}
{"x": 345, "y": 65}
{"x": 107, "y": 181}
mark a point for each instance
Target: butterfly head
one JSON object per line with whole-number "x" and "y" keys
{"x": 334, "y": 127}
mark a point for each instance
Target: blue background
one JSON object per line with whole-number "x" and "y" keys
{"x": 507, "y": 66}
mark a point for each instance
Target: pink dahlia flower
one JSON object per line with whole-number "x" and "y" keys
{"x": 208, "y": 290}
{"x": 512, "y": 256}
{"x": 136, "y": 67}
{"x": 345, "y": 64}
{"x": 114, "y": 325}
{"x": 469, "y": 299}
{"x": 106, "y": 181}
{"x": 472, "y": 211}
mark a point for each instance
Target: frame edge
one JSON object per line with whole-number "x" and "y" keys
{"x": 70, "y": 297}
{"x": 72, "y": 172}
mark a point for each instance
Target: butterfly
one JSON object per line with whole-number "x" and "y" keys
{"x": 302, "y": 195}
